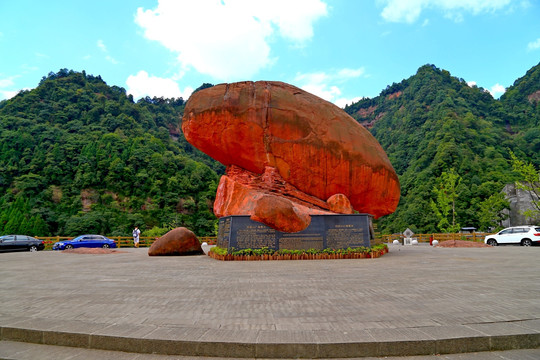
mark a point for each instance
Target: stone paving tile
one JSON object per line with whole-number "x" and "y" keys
{"x": 9, "y": 320}
{"x": 403, "y": 334}
{"x": 429, "y": 292}
{"x": 244, "y": 336}
{"x": 40, "y": 324}
{"x": 530, "y": 324}
{"x": 177, "y": 333}
{"x": 286, "y": 337}
{"x": 450, "y": 331}
{"x": 126, "y": 330}
{"x": 253, "y": 327}
{"x": 497, "y": 329}
{"x": 362, "y": 336}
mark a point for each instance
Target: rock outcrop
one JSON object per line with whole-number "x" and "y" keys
{"x": 179, "y": 241}
{"x": 280, "y": 141}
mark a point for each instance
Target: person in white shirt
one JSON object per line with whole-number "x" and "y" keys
{"x": 136, "y": 233}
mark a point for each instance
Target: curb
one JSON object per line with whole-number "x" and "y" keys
{"x": 274, "y": 350}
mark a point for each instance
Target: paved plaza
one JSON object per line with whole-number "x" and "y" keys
{"x": 415, "y": 300}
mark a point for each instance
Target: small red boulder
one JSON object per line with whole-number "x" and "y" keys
{"x": 179, "y": 241}
{"x": 340, "y": 204}
{"x": 281, "y": 214}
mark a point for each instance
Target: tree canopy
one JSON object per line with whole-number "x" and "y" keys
{"x": 433, "y": 122}
{"x": 79, "y": 156}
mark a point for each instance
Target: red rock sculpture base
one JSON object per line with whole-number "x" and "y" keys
{"x": 267, "y": 198}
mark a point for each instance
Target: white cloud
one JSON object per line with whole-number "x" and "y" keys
{"x": 5, "y": 84}
{"x": 109, "y": 58}
{"x": 325, "y": 85}
{"x": 534, "y": 45}
{"x": 324, "y": 91}
{"x": 408, "y": 11}
{"x": 402, "y": 11}
{"x": 27, "y": 69}
{"x": 4, "y": 94}
{"x": 101, "y": 45}
{"x": 142, "y": 85}
{"x": 345, "y": 74}
{"x": 341, "y": 102}
{"x": 228, "y": 39}
{"x": 497, "y": 90}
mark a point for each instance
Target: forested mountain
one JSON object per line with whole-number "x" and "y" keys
{"x": 433, "y": 124}
{"x": 79, "y": 156}
{"x": 522, "y": 108}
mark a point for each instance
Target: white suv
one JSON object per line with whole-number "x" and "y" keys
{"x": 523, "y": 235}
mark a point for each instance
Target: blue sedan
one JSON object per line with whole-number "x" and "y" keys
{"x": 87, "y": 241}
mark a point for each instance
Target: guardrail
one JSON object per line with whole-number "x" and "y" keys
{"x": 475, "y": 236}
{"x": 121, "y": 241}
{"x": 147, "y": 241}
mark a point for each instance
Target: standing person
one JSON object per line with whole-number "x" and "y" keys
{"x": 136, "y": 233}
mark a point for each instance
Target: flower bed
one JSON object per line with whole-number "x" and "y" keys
{"x": 309, "y": 254}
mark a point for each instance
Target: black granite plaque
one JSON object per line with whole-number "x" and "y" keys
{"x": 324, "y": 232}
{"x": 224, "y": 231}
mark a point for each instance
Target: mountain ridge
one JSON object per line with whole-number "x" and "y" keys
{"x": 431, "y": 123}
{"x": 77, "y": 155}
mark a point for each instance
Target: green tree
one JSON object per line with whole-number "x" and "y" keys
{"x": 16, "y": 223}
{"x": 530, "y": 183}
{"x": 86, "y": 158}
{"x": 492, "y": 212}
{"x": 446, "y": 195}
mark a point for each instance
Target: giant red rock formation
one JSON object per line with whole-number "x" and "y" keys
{"x": 288, "y": 154}
{"x": 178, "y": 241}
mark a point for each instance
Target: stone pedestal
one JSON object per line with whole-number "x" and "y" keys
{"x": 325, "y": 232}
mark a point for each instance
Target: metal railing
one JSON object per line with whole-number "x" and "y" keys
{"x": 121, "y": 241}
{"x": 147, "y": 241}
{"x": 475, "y": 236}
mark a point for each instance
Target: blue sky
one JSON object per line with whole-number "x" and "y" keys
{"x": 340, "y": 50}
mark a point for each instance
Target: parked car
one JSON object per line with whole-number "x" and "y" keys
{"x": 87, "y": 241}
{"x": 522, "y": 235}
{"x": 20, "y": 243}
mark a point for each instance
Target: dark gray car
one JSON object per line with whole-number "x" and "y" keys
{"x": 20, "y": 243}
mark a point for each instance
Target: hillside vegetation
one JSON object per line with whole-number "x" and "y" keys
{"x": 79, "y": 156}
{"x": 433, "y": 124}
